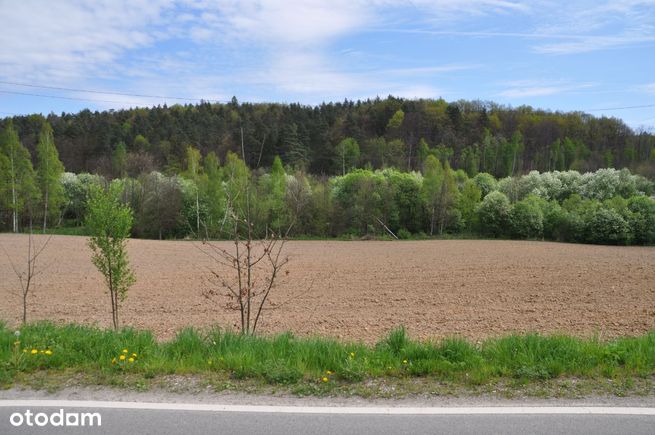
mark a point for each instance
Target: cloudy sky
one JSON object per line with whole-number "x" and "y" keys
{"x": 593, "y": 56}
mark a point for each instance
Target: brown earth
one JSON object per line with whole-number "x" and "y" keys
{"x": 360, "y": 290}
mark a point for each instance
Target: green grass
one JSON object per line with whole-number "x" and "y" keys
{"x": 314, "y": 365}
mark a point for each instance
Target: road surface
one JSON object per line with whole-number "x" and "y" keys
{"x": 192, "y": 419}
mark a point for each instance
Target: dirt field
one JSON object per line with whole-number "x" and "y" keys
{"x": 359, "y": 290}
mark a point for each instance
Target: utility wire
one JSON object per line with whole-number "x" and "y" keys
{"x": 61, "y": 97}
{"x": 621, "y": 108}
{"x": 102, "y": 92}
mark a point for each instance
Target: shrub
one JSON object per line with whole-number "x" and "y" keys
{"x": 642, "y": 219}
{"x": 494, "y": 214}
{"x": 486, "y": 182}
{"x": 527, "y": 219}
{"x": 607, "y": 226}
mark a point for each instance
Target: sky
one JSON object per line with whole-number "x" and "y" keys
{"x": 68, "y": 55}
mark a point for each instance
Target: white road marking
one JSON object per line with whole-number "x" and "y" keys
{"x": 382, "y": 410}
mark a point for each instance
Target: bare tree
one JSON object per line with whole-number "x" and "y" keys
{"x": 253, "y": 265}
{"x": 26, "y": 275}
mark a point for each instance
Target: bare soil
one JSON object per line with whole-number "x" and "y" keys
{"x": 360, "y": 290}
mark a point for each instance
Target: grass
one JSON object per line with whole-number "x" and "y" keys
{"x": 317, "y": 365}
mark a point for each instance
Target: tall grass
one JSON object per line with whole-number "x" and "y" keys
{"x": 285, "y": 359}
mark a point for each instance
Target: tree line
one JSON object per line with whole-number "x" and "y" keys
{"x": 331, "y": 138}
{"x": 605, "y": 206}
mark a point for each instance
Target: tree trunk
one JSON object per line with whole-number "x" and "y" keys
{"x": 14, "y": 217}
{"x": 45, "y": 211}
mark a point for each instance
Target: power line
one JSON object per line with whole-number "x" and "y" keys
{"x": 61, "y": 97}
{"x": 58, "y": 88}
{"x": 621, "y": 108}
{"x": 75, "y": 98}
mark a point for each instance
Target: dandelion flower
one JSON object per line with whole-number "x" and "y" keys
{"x": 48, "y": 352}
{"x": 325, "y": 379}
{"x": 404, "y": 361}
{"x": 352, "y": 354}
{"x": 34, "y": 352}
{"x": 131, "y": 360}
{"x": 122, "y": 357}
{"x": 328, "y": 372}
{"x": 133, "y": 355}
{"x": 124, "y": 350}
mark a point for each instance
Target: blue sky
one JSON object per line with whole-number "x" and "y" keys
{"x": 569, "y": 55}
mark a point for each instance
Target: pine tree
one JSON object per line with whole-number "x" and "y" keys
{"x": 49, "y": 170}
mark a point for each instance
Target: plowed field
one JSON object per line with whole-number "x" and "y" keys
{"x": 360, "y": 290}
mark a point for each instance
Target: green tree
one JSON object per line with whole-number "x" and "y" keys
{"x": 119, "y": 160}
{"x": 431, "y": 188}
{"x": 348, "y": 154}
{"x": 494, "y": 214}
{"x": 214, "y": 193}
{"x": 109, "y": 223}
{"x": 486, "y": 182}
{"x": 447, "y": 198}
{"x": 275, "y": 196}
{"x": 527, "y": 219}
{"x": 193, "y": 159}
{"x": 608, "y": 227}
{"x": 467, "y": 202}
{"x": 49, "y": 170}
{"x": 17, "y": 178}
{"x": 395, "y": 122}
{"x": 642, "y": 219}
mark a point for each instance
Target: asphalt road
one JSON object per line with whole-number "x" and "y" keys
{"x": 235, "y": 421}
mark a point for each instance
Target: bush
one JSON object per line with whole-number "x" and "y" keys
{"x": 527, "y": 219}
{"x": 494, "y": 214}
{"x": 642, "y": 219}
{"x": 486, "y": 182}
{"x": 608, "y": 227}
{"x": 554, "y": 220}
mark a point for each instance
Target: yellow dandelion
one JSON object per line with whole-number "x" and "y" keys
{"x": 48, "y": 352}
{"x": 34, "y": 352}
{"x": 133, "y": 355}
{"x": 122, "y": 357}
{"x": 325, "y": 379}
{"x": 352, "y": 354}
{"x": 404, "y": 361}
{"x": 328, "y": 372}
{"x": 131, "y": 360}
{"x": 124, "y": 350}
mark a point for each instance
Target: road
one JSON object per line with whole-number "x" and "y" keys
{"x": 192, "y": 419}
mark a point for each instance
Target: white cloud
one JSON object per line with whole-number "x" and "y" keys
{"x": 648, "y": 88}
{"x": 529, "y": 88}
{"x": 69, "y": 40}
{"x": 592, "y": 26}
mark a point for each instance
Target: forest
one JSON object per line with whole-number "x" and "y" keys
{"x": 471, "y": 135}
{"x": 384, "y": 168}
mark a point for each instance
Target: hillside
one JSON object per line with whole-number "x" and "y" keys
{"x": 472, "y": 135}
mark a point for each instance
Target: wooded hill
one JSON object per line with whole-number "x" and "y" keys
{"x": 335, "y": 137}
